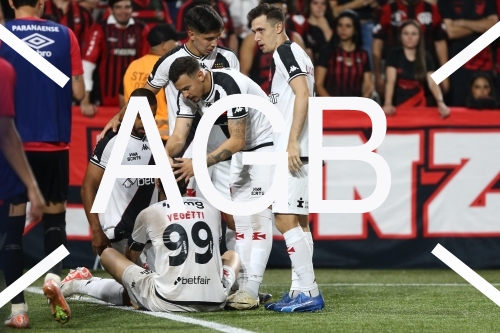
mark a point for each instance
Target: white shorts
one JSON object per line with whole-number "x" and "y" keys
{"x": 140, "y": 286}
{"x": 219, "y": 174}
{"x": 250, "y": 182}
{"x": 298, "y": 192}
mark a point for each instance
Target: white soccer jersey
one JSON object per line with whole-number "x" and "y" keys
{"x": 188, "y": 261}
{"x": 130, "y": 195}
{"x": 290, "y": 61}
{"x": 227, "y": 82}
{"x": 220, "y": 57}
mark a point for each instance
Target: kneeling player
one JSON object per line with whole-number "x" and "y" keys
{"x": 191, "y": 276}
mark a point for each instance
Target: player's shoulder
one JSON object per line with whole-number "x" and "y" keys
{"x": 173, "y": 54}
{"x": 226, "y": 51}
{"x": 288, "y": 50}
{"x": 106, "y": 143}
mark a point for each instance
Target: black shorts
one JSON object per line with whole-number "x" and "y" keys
{"x": 51, "y": 170}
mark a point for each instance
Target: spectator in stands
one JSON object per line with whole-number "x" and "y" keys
{"x": 408, "y": 70}
{"x": 150, "y": 12}
{"x": 228, "y": 37}
{"x": 320, "y": 25}
{"x": 465, "y": 21}
{"x": 385, "y": 34}
{"x": 162, "y": 38}
{"x": 113, "y": 44}
{"x": 256, "y": 64}
{"x": 343, "y": 67}
{"x": 89, "y": 5}
{"x": 239, "y": 10}
{"x": 482, "y": 94}
{"x": 72, "y": 15}
{"x": 367, "y": 11}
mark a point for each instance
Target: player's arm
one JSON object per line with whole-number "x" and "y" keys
{"x": 90, "y": 185}
{"x": 235, "y": 142}
{"x": 367, "y": 84}
{"x": 443, "y": 109}
{"x": 377, "y": 47}
{"x": 455, "y": 31}
{"x": 137, "y": 241}
{"x": 300, "y": 87}
{"x": 442, "y": 54}
{"x": 77, "y": 82}
{"x": 177, "y": 140}
{"x": 247, "y": 54}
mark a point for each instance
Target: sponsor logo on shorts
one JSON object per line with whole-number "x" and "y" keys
{"x": 302, "y": 204}
{"x": 193, "y": 280}
{"x": 257, "y": 191}
{"x": 147, "y": 272}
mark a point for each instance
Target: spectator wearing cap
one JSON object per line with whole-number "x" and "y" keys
{"x": 162, "y": 39}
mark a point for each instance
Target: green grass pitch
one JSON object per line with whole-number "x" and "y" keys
{"x": 356, "y": 301}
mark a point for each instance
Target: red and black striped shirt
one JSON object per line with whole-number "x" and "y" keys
{"x": 345, "y": 70}
{"x": 113, "y": 48}
{"x": 77, "y": 18}
{"x": 151, "y": 12}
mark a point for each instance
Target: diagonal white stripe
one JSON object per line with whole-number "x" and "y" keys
{"x": 164, "y": 315}
{"x": 468, "y": 274}
{"x": 34, "y": 58}
{"x": 33, "y": 274}
{"x": 470, "y": 51}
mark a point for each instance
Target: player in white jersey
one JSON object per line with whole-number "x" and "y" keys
{"x": 191, "y": 276}
{"x": 129, "y": 195}
{"x": 249, "y": 130}
{"x": 292, "y": 83}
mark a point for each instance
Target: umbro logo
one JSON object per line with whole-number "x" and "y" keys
{"x": 293, "y": 69}
{"x": 145, "y": 147}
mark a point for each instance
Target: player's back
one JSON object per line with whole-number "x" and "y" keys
{"x": 188, "y": 260}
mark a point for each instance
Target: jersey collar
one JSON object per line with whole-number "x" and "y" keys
{"x": 111, "y": 20}
{"x": 198, "y": 57}
{"x": 210, "y": 95}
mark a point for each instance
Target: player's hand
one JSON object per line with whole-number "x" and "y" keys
{"x": 443, "y": 110}
{"x": 294, "y": 162}
{"x": 113, "y": 123}
{"x": 88, "y": 109}
{"x": 183, "y": 169}
{"x": 389, "y": 110}
{"x": 99, "y": 242}
{"x": 37, "y": 202}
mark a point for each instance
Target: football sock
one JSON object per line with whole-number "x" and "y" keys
{"x": 55, "y": 235}
{"x": 295, "y": 288}
{"x": 262, "y": 243}
{"x": 229, "y": 276}
{"x": 243, "y": 246}
{"x": 300, "y": 254}
{"x": 13, "y": 258}
{"x": 107, "y": 290}
{"x": 17, "y": 308}
{"x": 230, "y": 239}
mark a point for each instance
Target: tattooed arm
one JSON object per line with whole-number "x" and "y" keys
{"x": 235, "y": 143}
{"x": 177, "y": 140}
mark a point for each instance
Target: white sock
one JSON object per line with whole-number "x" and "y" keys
{"x": 262, "y": 242}
{"x": 52, "y": 276}
{"x": 17, "y": 308}
{"x": 230, "y": 239}
{"x": 300, "y": 254}
{"x": 295, "y": 288}
{"x": 243, "y": 246}
{"x": 107, "y": 290}
{"x": 309, "y": 239}
{"x": 228, "y": 277}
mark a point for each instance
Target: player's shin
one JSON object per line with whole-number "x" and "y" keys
{"x": 262, "y": 243}
{"x": 243, "y": 246}
{"x": 107, "y": 290}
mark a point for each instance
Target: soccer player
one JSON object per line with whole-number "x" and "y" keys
{"x": 129, "y": 196}
{"x": 191, "y": 275}
{"x": 44, "y": 124}
{"x": 111, "y": 46}
{"x": 292, "y": 83}
{"x": 161, "y": 39}
{"x": 249, "y": 130}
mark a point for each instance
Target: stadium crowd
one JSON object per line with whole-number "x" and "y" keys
{"x": 183, "y": 57}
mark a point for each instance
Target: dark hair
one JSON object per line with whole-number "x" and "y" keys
{"x": 111, "y": 3}
{"x": 146, "y": 93}
{"x": 183, "y": 65}
{"x": 181, "y": 185}
{"x": 273, "y": 14}
{"x": 482, "y": 103}
{"x": 306, "y": 9}
{"x": 356, "y": 38}
{"x": 203, "y": 19}
{"x": 21, "y": 3}
{"x": 420, "y": 56}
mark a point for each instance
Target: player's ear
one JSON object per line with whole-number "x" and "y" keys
{"x": 11, "y": 4}
{"x": 190, "y": 34}
{"x": 279, "y": 27}
{"x": 201, "y": 75}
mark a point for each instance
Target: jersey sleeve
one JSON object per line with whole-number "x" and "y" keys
{"x": 76, "y": 59}
{"x": 102, "y": 150}
{"x": 384, "y": 23}
{"x": 159, "y": 76}
{"x": 438, "y": 27}
{"x": 288, "y": 63}
{"x": 94, "y": 46}
{"x": 7, "y": 84}
{"x": 139, "y": 237}
{"x": 185, "y": 108}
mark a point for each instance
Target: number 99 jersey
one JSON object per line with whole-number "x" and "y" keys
{"x": 187, "y": 255}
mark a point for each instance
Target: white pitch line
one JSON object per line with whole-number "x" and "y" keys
{"x": 466, "y": 54}
{"x": 164, "y": 315}
{"x": 33, "y": 274}
{"x": 33, "y": 57}
{"x": 382, "y": 285}
{"x": 468, "y": 274}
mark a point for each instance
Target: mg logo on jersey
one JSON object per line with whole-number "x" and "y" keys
{"x": 193, "y": 280}
{"x": 258, "y": 236}
{"x": 37, "y": 42}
